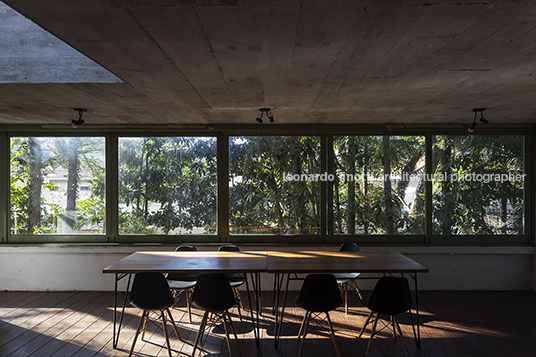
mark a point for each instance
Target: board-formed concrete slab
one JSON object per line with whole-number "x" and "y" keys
{"x": 32, "y": 55}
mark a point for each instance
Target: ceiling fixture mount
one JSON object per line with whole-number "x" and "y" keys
{"x": 76, "y": 123}
{"x": 265, "y": 110}
{"x": 482, "y": 119}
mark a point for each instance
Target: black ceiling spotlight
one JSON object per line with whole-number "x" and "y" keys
{"x": 265, "y": 110}
{"x": 80, "y": 121}
{"x": 482, "y": 119}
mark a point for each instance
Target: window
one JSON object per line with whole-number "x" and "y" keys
{"x": 377, "y": 185}
{"x": 479, "y": 183}
{"x": 294, "y": 185}
{"x": 274, "y": 186}
{"x": 167, "y": 185}
{"x": 45, "y": 187}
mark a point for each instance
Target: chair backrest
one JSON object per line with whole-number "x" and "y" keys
{"x": 150, "y": 291}
{"x": 391, "y": 296}
{"x": 183, "y": 276}
{"x": 186, "y": 248}
{"x": 349, "y": 247}
{"x": 228, "y": 248}
{"x": 213, "y": 292}
{"x": 319, "y": 293}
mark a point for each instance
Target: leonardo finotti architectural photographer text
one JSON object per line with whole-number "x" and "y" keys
{"x": 466, "y": 177}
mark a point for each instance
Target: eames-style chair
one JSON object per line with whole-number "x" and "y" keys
{"x": 213, "y": 294}
{"x": 319, "y": 294}
{"x": 183, "y": 282}
{"x": 235, "y": 279}
{"x": 390, "y": 297}
{"x": 151, "y": 293}
{"x": 345, "y": 279}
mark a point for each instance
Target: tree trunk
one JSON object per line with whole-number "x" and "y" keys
{"x": 36, "y": 181}
{"x": 72, "y": 183}
{"x": 504, "y": 215}
{"x": 352, "y": 151}
{"x": 446, "y": 224}
{"x": 388, "y": 197}
{"x": 366, "y": 209}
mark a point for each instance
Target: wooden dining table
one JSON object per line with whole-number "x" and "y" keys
{"x": 251, "y": 263}
{"x": 286, "y": 264}
{"x": 281, "y": 264}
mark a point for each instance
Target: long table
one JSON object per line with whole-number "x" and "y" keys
{"x": 287, "y": 263}
{"x": 252, "y": 263}
{"x": 256, "y": 262}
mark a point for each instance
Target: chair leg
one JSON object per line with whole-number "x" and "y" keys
{"x": 145, "y": 326}
{"x": 188, "y": 303}
{"x": 302, "y": 325}
{"x": 365, "y": 325}
{"x": 201, "y": 331}
{"x": 231, "y": 323}
{"x": 346, "y": 298}
{"x": 333, "y": 335}
{"x": 401, "y": 335}
{"x": 304, "y": 332}
{"x": 372, "y": 335}
{"x": 307, "y": 316}
{"x": 164, "y": 326}
{"x": 224, "y": 318}
{"x": 239, "y": 297}
{"x": 140, "y": 324}
{"x": 173, "y": 324}
{"x": 357, "y": 289}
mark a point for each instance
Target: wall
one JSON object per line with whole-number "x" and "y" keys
{"x": 67, "y": 268}
{"x": 534, "y": 273}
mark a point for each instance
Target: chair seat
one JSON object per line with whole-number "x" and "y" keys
{"x": 236, "y": 282}
{"x": 181, "y": 284}
{"x": 344, "y": 277}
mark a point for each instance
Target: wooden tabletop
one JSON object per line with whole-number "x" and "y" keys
{"x": 271, "y": 262}
{"x": 173, "y": 262}
{"x": 340, "y": 262}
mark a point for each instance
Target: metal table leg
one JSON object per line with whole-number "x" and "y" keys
{"x": 117, "y": 331}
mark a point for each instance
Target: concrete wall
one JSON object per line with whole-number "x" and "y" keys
{"x": 67, "y": 268}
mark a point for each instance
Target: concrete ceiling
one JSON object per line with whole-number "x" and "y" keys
{"x": 315, "y": 62}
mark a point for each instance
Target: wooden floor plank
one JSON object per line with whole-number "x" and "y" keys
{"x": 453, "y": 323}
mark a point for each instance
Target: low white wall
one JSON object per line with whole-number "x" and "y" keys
{"x": 534, "y": 274}
{"x": 74, "y": 268}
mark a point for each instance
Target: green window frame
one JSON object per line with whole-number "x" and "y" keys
{"x": 326, "y": 234}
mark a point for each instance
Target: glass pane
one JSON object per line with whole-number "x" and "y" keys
{"x": 167, "y": 185}
{"x": 478, "y": 185}
{"x": 273, "y": 188}
{"x": 57, "y": 185}
{"x": 378, "y": 186}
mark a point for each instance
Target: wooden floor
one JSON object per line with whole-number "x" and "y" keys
{"x": 453, "y": 324}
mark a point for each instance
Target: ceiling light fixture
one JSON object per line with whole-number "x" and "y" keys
{"x": 265, "y": 110}
{"x": 482, "y": 119}
{"x": 80, "y": 121}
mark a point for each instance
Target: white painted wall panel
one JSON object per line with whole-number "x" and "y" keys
{"x": 451, "y": 268}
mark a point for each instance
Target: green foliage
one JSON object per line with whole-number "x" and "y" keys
{"x": 477, "y": 207}
{"x": 363, "y": 206}
{"x": 54, "y": 155}
{"x": 260, "y": 201}
{"x": 167, "y": 185}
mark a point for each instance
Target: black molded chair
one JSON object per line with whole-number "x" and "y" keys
{"x": 391, "y": 296}
{"x": 150, "y": 292}
{"x": 183, "y": 282}
{"x": 319, "y": 294}
{"x": 213, "y": 294}
{"x": 343, "y": 279}
{"x": 235, "y": 279}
